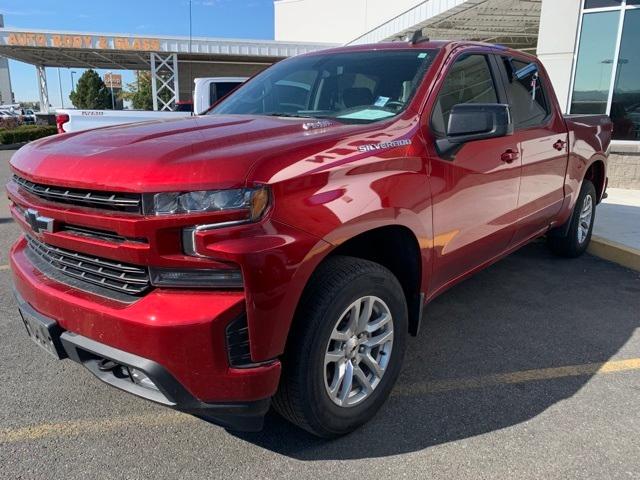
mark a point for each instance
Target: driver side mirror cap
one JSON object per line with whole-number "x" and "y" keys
{"x": 475, "y": 121}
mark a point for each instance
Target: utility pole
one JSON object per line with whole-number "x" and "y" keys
{"x": 60, "y": 85}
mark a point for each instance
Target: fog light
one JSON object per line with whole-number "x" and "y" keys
{"x": 196, "y": 278}
{"x": 141, "y": 378}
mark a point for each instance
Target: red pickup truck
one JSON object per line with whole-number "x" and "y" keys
{"x": 281, "y": 248}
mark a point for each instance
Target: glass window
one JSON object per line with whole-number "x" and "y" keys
{"x": 352, "y": 87}
{"x": 529, "y": 104}
{"x": 468, "y": 81}
{"x": 595, "y": 62}
{"x": 217, "y": 90}
{"x": 625, "y": 105}
{"x": 602, "y": 3}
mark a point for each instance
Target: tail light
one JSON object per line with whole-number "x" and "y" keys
{"x": 61, "y": 119}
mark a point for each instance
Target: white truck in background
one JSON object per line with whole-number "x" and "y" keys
{"x": 207, "y": 91}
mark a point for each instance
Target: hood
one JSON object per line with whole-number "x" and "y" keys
{"x": 187, "y": 154}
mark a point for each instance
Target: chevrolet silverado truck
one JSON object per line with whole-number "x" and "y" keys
{"x": 281, "y": 249}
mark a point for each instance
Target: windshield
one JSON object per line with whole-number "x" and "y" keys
{"x": 355, "y": 87}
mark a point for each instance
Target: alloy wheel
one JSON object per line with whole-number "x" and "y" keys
{"x": 358, "y": 351}
{"x": 586, "y": 217}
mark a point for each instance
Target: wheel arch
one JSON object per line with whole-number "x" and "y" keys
{"x": 596, "y": 173}
{"x": 376, "y": 241}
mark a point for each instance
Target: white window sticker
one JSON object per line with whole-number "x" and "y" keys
{"x": 368, "y": 115}
{"x": 381, "y": 101}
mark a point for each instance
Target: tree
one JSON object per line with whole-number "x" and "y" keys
{"x": 139, "y": 92}
{"x": 91, "y": 93}
{"x": 30, "y": 105}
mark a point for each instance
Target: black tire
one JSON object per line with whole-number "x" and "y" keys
{"x": 569, "y": 245}
{"x": 302, "y": 397}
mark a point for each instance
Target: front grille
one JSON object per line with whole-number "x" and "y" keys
{"x": 120, "y": 277}
{"x": 123, "y": 202}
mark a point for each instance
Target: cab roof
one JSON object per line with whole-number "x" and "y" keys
{"x": 420, "y": 45}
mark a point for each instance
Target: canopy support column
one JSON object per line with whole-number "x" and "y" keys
{"x": 164, "y": 81}
{"x": 42, "y": 86}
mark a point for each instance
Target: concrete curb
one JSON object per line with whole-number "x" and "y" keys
{"x": 12, "y": 146}
{"x": 615, "y": 252}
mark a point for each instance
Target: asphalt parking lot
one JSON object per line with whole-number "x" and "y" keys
{"x": 531, "y": 369}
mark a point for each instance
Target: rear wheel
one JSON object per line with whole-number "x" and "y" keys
{"x": 578, "y": 236}
{"x": 346, "y": 347}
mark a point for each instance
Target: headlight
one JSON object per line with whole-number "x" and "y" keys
{"x": 253, "y": 200}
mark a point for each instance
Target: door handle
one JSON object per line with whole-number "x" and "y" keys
{"x": 509, "y": 156}
{"x": 559, "y": 145}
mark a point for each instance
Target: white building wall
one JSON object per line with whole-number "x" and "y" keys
{"x": 333, "y": 21}
{"x": 559, "y": 22}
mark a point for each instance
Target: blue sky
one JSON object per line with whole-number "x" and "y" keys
{"x": 211, "y": 18}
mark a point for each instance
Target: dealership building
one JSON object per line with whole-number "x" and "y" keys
{"x": 590, "y": 48}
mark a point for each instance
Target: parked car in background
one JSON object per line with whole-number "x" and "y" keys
{"x": 22, "y": 115}
{"x": 28, "y": 116}
{"x": 283, "y": 246}
{"x": 6, "y": 113}
{"x": 207, "y": 92}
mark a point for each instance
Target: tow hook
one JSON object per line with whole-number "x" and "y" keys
{"x": 106, "y": 365}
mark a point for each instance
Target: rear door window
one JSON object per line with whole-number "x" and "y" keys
{"x": 527, "y": 97}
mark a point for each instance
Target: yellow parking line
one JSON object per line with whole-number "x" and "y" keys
{"x": 79, "y": 427}
{"x": 97, "y": 426}
{"x": 518, "y": 377}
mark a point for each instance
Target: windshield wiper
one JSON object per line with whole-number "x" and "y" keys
{"x": 314, "y": 117}
{"x": 286, "y": 114}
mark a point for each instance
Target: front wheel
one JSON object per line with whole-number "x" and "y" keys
{"x": 577, "y": 239}
{"x": 346, "y": 348}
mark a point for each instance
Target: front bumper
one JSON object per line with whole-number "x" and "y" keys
{"x": 176, "y": 336}
{"x": 244, "y": 416}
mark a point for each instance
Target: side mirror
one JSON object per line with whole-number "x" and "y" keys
{"x": 475, "y": 121}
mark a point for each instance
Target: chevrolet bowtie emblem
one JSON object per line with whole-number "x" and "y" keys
{"x": 38, "y": 223}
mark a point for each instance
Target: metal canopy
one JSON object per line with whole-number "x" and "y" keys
{"x": 131, "y": 52}
{"x": 109, "y": 60}
{"x": 159, "y": 54}
{"x": 513, "y": 23}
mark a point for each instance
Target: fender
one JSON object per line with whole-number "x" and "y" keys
{"x": 325, "y": 246}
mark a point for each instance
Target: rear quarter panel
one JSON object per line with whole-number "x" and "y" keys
{"x": 589, "y": 141}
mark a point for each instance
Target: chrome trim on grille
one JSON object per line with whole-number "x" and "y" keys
{"x": 103, "y": 235}
{"x": 121, "y": 277}
{"x": 125, "y": 202}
